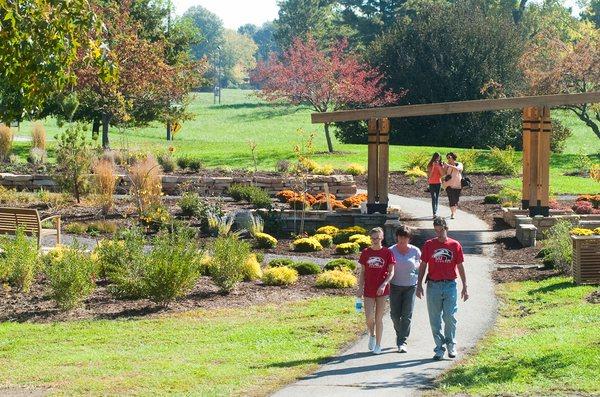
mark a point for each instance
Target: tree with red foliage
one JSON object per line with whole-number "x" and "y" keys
{"x": 328, "y": 81}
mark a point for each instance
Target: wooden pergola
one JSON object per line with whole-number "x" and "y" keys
{"x": 536, "y": 140}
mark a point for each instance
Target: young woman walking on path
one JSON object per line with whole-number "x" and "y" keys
{"x": 403, "y": 285}
{"x": 377, "y": 269}
{"x": 452, "y": 182}
{"x": 434, "y": 178}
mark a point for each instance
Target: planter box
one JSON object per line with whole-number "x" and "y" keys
{"x": 586, "y": 259}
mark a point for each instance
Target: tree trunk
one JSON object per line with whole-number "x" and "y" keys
{"x": 169, "y": 137}
{"x": 95, "y": 128}
{"x": 585, "y": 117}
{"x": 328, "y": 137}
{"x": 105, "y": 123}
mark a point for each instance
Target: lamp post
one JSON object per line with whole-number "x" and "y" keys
{"x": 217, "y": 90}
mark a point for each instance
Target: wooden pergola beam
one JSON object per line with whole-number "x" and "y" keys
{"x": 480, "y": 105}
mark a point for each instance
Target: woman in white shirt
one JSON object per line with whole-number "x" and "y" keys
{"x": 452, "y": 182}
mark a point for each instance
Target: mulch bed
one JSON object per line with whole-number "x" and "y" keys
{"x": 37, "y": 306}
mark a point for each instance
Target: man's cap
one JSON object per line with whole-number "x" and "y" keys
{"x": 439, "y": 221}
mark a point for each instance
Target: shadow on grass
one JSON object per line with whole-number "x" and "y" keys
{"x": 266, "y": 114}
{"x": 551, "y": 288}
{"x": 506, "y": 370}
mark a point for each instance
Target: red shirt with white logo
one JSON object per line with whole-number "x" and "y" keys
{"x": 376, "y": 265}
{"x": 442, "y": 258}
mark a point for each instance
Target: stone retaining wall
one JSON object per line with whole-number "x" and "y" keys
{"x": 342, "y": 186}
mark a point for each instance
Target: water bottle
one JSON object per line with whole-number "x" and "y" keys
{"x": 358, "y": 305}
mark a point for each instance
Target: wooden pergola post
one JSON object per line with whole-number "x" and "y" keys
{"x": 378, "y": 165}
{"x": 537, "y": 129}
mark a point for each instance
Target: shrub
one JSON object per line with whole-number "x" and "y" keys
{"x": 260, "y": 257}
{"x": 155, "y": 217}
{"x": 340, "y": 264}
{"x": 418, "y": 159}
{"x": 252, "y": 270}
{"x": 468, "y": 158}
{"x": 282, "y": 166}
{"x": 347, "y": 248}
{"x": 322, "y": 204}
{"x": 172, "y": 267}
{"x": 123, "y": 262}
{"x": 37, "y": 156}
{"x": 166, "y": 162}
{"x": 191, "y": 204}
{"x": 73, "y": 160}
{"x": 38, "y": 136}
{"x": 306, "y": 268}
{"x": 355, "y": 201}
{"x": 252, "y": 194}
{"x": 205, "y": 263}
{"x": 323, "y": 196}
{"x": 255, "y": 225}
{"x": 558, "y": 248}
{"x": 286, "y": 195}
{"x": 264, "y": 240}
{"x": 510, "y": 197}
{"x": 306, "y": 244}
{"x": 306, "y": 164}
{"x": 19, "y": 262}
{"x": 336, "y": 279}
{"x": 146, "y": 184}
{"x": 324, "y": 239}
{"x": 183, "y": 162}
{"x": 104, "y": 227}
{"x": 343, "y": 235}
{"x": 360, "y": 239}
{"x": 492, "y": 199}
{"x": 105, "y": 182}
{"x": 229, "y": 258}
{"x": 220, "y": 225}
{"x": 331, "y": 230}
{"x": 595, "y": 172}
{"x": 559, "y": 135}
{"x": 582, "y": 163}
{"x": 6, "y": 142}
{"x": 355, "y": 169}
{"x": 195, "y": 165}
{"x": 325, "y": 169}
{"x": 415, "y": 173}
{"x": 280, "y": 276}
{"x": 281, "y": 262}
{"x": 71, "y": 276}
{"x": 76, "y": 228}
{"x": 583, "y": 207}
{"x": 261, "y": 199}
{"x": 504, "y": 162}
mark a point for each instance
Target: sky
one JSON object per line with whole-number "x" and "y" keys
{"x": 235, "y": 13}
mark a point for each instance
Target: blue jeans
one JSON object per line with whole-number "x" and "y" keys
{"x": 441, "y": 305}
{"x": 402, "y": 303}
{"x": 434, "y": 190}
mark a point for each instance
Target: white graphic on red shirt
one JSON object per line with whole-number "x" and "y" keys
{"x": 443, "y": 255}
{"x": 375, "y": 261}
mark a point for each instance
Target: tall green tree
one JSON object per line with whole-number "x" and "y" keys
{"x": 211, "y": 27}
{"x": 263, "y": 36}
{"x": 299, "y": 18}
{"x": 237, "y": 58}
{"x": 39, "y": 41}
{"x": 591, "y": 12}
{"x": 369, "y": 18}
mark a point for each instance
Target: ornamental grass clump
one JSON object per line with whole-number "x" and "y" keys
{"x": 38, "y": 136}
{"x": 347, "y": 248}
{"x": 340, "y": 264}
{"x": 146, "y": 184}
{"x": 105, "y": 182}
{"x": 306, "y": 268}
{"x": 324, "y": 239}
{"x": 306, "y": 244}
{"x": 279, "y": 276}
{"x": 19, "y": 261}
{"x": 229, "y": 255}
{"x": 71, "y": 276}
{"x": 264, "y": 240}
{"x": 6, "y": 142}
{"x": 336, "y": 279}
{"x": 360, "y": 239}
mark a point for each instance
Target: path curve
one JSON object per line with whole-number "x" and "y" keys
{"x": 358, "y": 372}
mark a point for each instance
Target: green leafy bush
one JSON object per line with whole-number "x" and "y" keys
{"x": 71, "y": 276}
{"x": 492, "y": 199}
{"x": 281, "y": 262}
{"x": 306, "y": 244}
{"x": 172, "y": 267}
{"x": 418, "y": 159}
{"x": 559, "y": 135}
{"x": 558, "y": 248}
{"x": 325, "y": 169}
{"x": 166, "y": 162}
{"x": 252, "y": 194}
{"x": 19, "y": 261}
{"x": 183, "y": 162}
{"x": 468, "y": 158}
{"x": 343, "y": 235}
{"x": 195, "y": 165}
{"x": 331, "y": 230}
{"x": 305, "y": 268}
{"x": 264, "y": 240}
{"x": 355, "y": 169}
{"x": 347, "y": 248}
{"x": 324, "y": 239}
{"x": 340, "y": 264}
{"x": 360, "y": 239}
{"x": 510, "y": 197}
{"x": 505, "y": 162}
{"x": 336, "y": 279}
{"x": 191, "y": 204}
{"x": 415, "y": 173}
{"x": 280, "y": 276}
{"x": 229, "y": 257}
{"x": 73, "y": 160}
{"x": 260, "y": 257}
{"x": 75, "y": 228}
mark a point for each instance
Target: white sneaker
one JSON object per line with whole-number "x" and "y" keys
{"x": 377, "y": 350}
{"x": 402, "y": 348}
{"x": 371, "y": 342}
{"x": 451, "y": 351}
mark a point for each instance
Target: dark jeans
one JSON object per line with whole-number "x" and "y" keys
{"x": 434, "y": 190}
{"x": 402, "y": 302}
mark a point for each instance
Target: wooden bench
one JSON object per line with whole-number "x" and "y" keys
{"x": 29, "y": 220}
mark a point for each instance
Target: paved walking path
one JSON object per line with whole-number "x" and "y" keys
{"x": 357, "y": 372}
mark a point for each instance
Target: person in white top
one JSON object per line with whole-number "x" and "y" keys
{"x": 403, "y": 284}
{"x": 452, "y": 182}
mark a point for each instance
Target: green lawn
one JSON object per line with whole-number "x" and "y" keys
{"x": 546, "y": 342}
{"x": 205, "y": 353}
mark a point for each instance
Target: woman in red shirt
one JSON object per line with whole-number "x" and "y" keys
{"x": 434, "y": 178}
{"x": 374, "y": 285}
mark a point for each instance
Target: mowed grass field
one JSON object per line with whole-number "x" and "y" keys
{"x": 220, "y": 135}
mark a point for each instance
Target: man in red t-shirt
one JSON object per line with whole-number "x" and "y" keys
{"x": 443, "y": 256}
